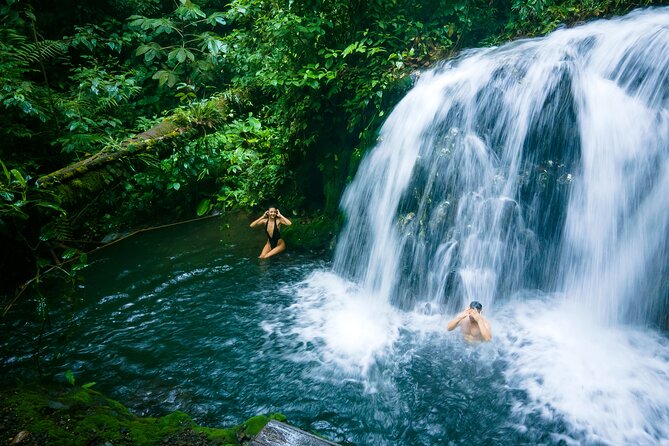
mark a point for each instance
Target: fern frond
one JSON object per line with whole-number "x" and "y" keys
{"x": 57, "y": 229}
{"x": 46, "y": 50}
{"x": 19, "y": 48}
{"x": 149, "y": 159}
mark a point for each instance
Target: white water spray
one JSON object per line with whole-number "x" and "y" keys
{"x": 543, "y": 164}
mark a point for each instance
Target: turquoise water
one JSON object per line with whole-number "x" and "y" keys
{"x": 188, "y": 318}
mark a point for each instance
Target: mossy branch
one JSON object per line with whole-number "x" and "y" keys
{"x": 165, "y": 131}
{"x": 197, "y": 118}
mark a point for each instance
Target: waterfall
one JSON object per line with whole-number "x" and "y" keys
{"x": 541, "y": 164}
{"x": 534, "y": 178}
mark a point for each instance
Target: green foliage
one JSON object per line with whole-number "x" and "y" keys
{"x": 74, "y": 103}
{"x": 208, "y": 113}
{"x": 316, "y": 233}
{"x": 69, "y": 377}
{"x": 81, "y": 416}
{"x": 204, "y": 207}
{"x": 36, "y": 218}
{"x": 182, "y": 47}
{"x": 91, "y": 113}
{"x": 21, "y": 97}
{"x": 19, "y": 199}
{"x": 327, "y": 71}
{"x": 239, "y": 165}
{"x": 253, "y": 163}
{"x": 539, "y": 17}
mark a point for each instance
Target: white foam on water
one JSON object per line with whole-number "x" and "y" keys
{"x": 349, "y": 330}
{"x": 611, "y": 383}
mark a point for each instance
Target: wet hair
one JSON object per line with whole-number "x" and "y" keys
{"x": 476, "y": 305}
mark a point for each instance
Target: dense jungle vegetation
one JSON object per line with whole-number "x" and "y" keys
{"x": 121, "y": 113}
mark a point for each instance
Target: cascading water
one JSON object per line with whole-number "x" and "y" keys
{"x": 534, "y": 178}
{"x": 509, "y": 165}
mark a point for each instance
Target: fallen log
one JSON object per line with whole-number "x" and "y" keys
{"x": 163, "y": 132}
{"x": 202, "y": 116}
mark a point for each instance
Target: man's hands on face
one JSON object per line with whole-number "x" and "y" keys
{"x": 473, "y": 314}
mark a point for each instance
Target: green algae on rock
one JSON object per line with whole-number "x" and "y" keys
{"x": 40, "y": 415}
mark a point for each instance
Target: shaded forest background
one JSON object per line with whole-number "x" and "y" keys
{"x": 122, "y": 113}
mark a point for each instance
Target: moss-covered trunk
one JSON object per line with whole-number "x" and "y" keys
{"x": 146, "y": 141}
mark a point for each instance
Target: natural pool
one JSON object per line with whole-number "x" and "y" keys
{"x": 188, "y": 318}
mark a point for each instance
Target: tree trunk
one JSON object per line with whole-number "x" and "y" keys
{"x": 165, "y": 131}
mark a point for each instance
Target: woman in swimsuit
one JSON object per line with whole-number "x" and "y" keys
{"x": 272, "y": 219}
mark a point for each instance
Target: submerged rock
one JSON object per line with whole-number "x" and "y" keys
{"x": 23, "y": 435}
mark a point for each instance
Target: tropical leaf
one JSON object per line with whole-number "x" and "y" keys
{"x": 19, "y": 177}
{"x": 17, "y": 47}
{"x": 203, "y": 207}
{"x": 69, "y": 253}
{"x": 7, "y": 174}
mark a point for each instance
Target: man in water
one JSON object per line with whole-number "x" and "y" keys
{"x": 473, "y": 325}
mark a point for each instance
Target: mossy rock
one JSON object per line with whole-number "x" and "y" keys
{"x": 316, "y": 233}
{"x": 39, "y": 415}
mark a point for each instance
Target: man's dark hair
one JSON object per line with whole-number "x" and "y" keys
{"x": 476, "y": 306}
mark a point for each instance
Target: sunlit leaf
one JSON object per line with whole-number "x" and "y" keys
{"x": 203, "y": 207}
{"x": 69, "y": 253}
{"x": 69, "y": 376}
{"x": 19, "y": 177}
{"x": 55, "y": 207}
{"x": 142, "y": 49}
{"x": 7, "y": 174}
{"x": 216, "y": 18}
{"x": 162, "y": 76}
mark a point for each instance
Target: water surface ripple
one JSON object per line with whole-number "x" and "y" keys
{"x": 182, "y": 319}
